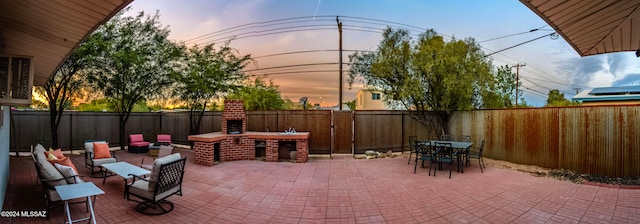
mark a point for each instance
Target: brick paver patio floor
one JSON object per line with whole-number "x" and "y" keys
{"x": 342, "y": 190}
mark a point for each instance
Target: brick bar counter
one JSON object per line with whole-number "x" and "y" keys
{"x": 243, "y": 146}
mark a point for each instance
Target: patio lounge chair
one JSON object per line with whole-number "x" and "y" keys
{"x": 90, "y": 160}
{"x": 165, "y": 181}
{"x": 49, "y": 177}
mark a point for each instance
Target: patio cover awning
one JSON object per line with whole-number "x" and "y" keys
{"x": 49, "y": 30}
{"x": 593, "y": 27}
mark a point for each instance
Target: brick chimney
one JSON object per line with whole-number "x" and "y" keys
{"x": 234, "y": 116}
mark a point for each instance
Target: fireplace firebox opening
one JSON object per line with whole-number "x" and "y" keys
{"x": 234, "y": 127}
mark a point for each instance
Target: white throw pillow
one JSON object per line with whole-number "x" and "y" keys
{"x": 67, "y": 172}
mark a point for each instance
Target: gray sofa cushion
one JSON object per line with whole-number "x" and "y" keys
{"x": 48, "y": 170}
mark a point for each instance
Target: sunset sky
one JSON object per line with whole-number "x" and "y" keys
{"x": 266, "y": 27}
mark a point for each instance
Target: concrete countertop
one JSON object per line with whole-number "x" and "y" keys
{"x": 218, "y": 136}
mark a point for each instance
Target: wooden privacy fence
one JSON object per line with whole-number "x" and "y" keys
{"x": 331, "y": 131}
{"x": 601, "y": 139}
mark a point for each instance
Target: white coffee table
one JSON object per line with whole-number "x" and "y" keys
{"x": 73, "y": 191}
{"x": 123, "y": 169}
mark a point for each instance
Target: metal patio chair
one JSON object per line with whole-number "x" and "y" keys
{"x": 476, "y": 153}
{"x": 412, "y": 146}
{"x": 165, "y": 180}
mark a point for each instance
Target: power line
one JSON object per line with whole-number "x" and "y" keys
{"x": 294, "y": 72}
{"x": 300, "y": 52}
{"x": 510, "y": 60}
{"x": 289, "y": 66}
{"x": 248, "y": 25}
{"x": 534, "y": 39}
{"x": 318, "y": 27}
{"x": 535, "y": 91}
{"x": 266, "y": 33}
{"x": 291, "y": 20}
{"x": 510, "y": 35}
{"x": 385, "y": 21}
{"x": 542, "y": 80}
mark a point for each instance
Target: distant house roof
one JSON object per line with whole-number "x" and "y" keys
{"x": 619, "y": 93}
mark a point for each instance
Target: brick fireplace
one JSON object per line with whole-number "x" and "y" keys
{"x": 234, "y": 142}
{"x": 234, "y": 119}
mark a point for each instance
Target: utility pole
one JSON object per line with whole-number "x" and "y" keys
{"x": 518, "y": 79}
{"x": 340, "y": 87}
{"x": 577, "y": 90}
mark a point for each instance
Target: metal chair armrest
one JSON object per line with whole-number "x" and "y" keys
{"x": 43, "y": 181}
{"x": 142, "y": 178}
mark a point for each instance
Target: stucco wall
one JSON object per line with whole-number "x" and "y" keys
{"x": 4, "y": 152}
{"x": 364, "y": 101}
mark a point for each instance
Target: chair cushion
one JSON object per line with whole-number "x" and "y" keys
{"x": 164, "y": 150}
{"x": 141, "y": 188}
{"x": 146, "y": 166}
{"x": 39, "y": 151}
{"x": 139, "y": 144}
{"x": 88, "y": 146}
{"x": 48, "y": 170}
{"x": 98, "y": 162}
{"x": 164, "y": 138}
{"x": 155, "y": 171}
{"x": 136, "y": 138}
{"x": 68, "y": 172}
{"x": 53, "y": 195}
{"x": 101, "y": 150}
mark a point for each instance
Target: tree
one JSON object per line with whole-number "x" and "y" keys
{"x": 428, "y": 77}
{"x": 62, "y": 87}
{"x": 133, "y": 59}
{"x": 504, "y": 90}
{"x": 207, "y": 74}
{"x": 557, "y": 99}
{"x": 259, "y": 95}
{"x": 352, "y": 105}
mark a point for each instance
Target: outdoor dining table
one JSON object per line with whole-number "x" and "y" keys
{"x": 460, "y": 147}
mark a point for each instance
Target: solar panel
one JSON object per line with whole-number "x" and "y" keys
{"x": 617, "y": 90}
